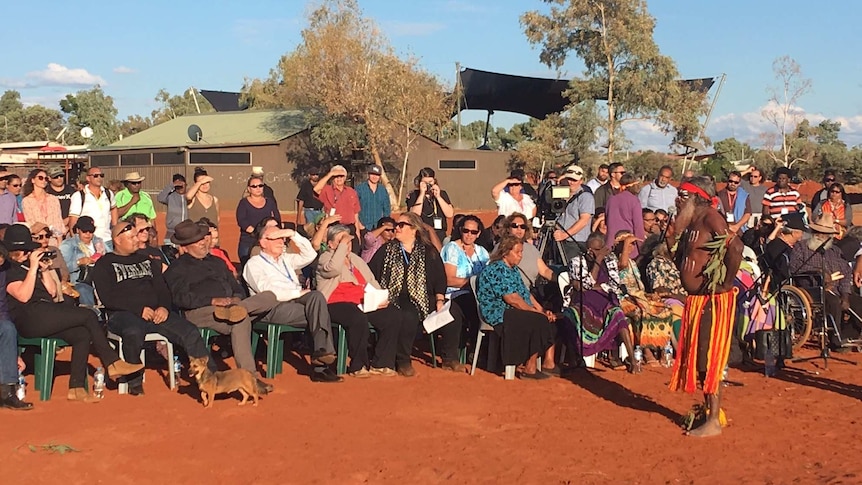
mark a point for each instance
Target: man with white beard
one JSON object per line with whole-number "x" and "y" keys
{"x": 659, "y": 194}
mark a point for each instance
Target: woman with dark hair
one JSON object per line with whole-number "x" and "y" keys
{"x": 492, "y": 234}
{"x": 524, "y": 327}
{"x": 250, "y": 211}
{"x": 836, "y": 205}
{"x": 13, "y": 185}
{"x": 462, "y": 259}
{"x": 201, "y": 202}
{"x": 342, "y": 277}
{"x": 380, "y": 235}
{"x": 411, "y": 269}
{"x": 40, "y": 206}
{"x": 623, "y": 211}
{"x": 431, "y": 203}
{"x": 531, "y": 265}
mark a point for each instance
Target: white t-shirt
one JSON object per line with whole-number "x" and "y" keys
{"x": 506, "y": 205}
{"x": 99, "y": 209}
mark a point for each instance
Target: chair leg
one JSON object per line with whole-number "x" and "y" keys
{"x": 476, "y": 352}
{"x": 255, "y": 339}
{"x": 172, "y": 376}
{"x": 462, "y": 355}
{"x": 510, "y": 373}
{"x": 433, "y": 350}
{"x": 341, "y": 358}
{"x": 493, "y": 351}
{"x": 49, "y": 353}
{"x": 272, "y": 342}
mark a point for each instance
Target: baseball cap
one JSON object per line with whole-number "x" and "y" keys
{"x": 573, "y": 172}
{"x": 375, "y": 169}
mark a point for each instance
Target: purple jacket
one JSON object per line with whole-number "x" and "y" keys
{"x": 623, "y": 212}
{"x": 8, "y": 214}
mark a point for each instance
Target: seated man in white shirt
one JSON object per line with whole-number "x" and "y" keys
{"x": 274, "y": 270}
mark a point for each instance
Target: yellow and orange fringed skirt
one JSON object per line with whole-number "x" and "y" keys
{"x": 723, "y": 314}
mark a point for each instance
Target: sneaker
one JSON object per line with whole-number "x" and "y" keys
{"x": 362, "y": 373}
{"x": 383, "y": 372}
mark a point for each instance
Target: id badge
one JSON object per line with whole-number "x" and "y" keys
{"x": 332, "y": 212}
{"x": 730, "y": 217}
{"x": 438, "y": 223}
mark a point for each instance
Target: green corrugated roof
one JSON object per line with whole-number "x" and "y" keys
{"x": 236, "y": 127}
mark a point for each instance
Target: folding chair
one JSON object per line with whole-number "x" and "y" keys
{"x": 44, "y": 362}
{"x": 493, "y": 342}
{"x": 123, "y": 386}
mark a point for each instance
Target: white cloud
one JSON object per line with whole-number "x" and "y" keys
{"x": 59, "y": 75}
{"x": 411, "y": 29}
{"x": 124, "y": 70}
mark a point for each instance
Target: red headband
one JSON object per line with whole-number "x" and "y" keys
{"x": 694, "y": 189}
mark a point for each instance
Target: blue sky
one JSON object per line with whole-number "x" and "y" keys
{"x": 133, "y": 49}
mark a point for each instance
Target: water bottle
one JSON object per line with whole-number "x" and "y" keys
{"x": 99, "y": 383}
{"x": 638, "y": 360}
{"x": 667, "y": 355}
{"x": 178, "y": 367}
{"x": 21, "y": 388}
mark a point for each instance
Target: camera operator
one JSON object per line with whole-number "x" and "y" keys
{"x": 573, "y": 224}
{"x": 431, "y": 203}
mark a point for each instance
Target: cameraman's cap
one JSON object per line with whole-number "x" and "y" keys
{"x": 375, "y": 169}
{"x": 86, "y": 224}
{"x": 573, "y": 172}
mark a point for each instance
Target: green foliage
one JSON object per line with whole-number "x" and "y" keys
{"x": 134, "y": 124}
{"x": 10, "y": 102}
{"x": 647, "y": 164}
{"x": 174, "y": 106}
{"x": 33, "y": 123}
{"x": 59, "y": 449}
{"x": 95, "y": 109}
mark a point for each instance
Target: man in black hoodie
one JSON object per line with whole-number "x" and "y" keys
{"x": 133, "y": 291}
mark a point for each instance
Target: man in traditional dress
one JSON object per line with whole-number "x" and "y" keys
{"x": 708, "y": 256}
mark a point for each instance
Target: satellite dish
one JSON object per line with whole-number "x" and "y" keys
{"x": 86, "y": 132}
{"x": 195, "y": 133}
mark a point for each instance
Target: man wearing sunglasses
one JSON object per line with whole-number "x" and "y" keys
{"x": 97, "y": 202}
{"x": 132, "y": 200}
{"x": 8, "y": 201}
{"x": 61, "y": 190}
{"x": 613, "y": 187}
{"x": 734, "y": 204}
{"x": 339, "y": 199}
{"x": 756, "y": 190}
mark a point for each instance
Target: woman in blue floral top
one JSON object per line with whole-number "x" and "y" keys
{"x": 463, "y": 258}
{"x": 524, "y": 327}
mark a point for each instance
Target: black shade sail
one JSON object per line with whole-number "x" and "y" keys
{"x": 223, "y": 100}
{"x": 531, "y": 96}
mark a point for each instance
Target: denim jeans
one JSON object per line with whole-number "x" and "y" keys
{"x": 310, "y": 214}
{"x": 87, "y": 296}
{"x": 8, "y": 353}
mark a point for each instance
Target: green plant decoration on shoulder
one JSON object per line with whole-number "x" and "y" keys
{"x": 716, "y": 271}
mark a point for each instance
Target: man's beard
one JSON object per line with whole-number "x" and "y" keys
{"x": 815, "y": 242}
{"x": 661, "y": 184}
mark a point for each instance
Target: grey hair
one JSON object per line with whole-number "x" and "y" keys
{"x": 335, "y": 230}
{"x": 704, "y": 183}
{"x": 855, "y": 232}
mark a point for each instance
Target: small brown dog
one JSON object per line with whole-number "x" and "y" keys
{"x": 212, "y": 383}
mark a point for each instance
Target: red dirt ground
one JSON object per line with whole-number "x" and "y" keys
{"x": 601, "y": 427}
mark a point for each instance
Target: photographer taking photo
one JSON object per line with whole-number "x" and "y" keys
{"x": 573, "y": 224}
{"x": 431, "y": 203}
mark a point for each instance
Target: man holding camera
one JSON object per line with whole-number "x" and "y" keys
{"x": 174, "y": 196}
{"x": 573, "y": 225}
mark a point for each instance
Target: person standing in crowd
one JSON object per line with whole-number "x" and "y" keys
{"x": 624, "y": 213}
{"x": 133, "y": 200}
{"x": 201, "y": 202}
{"x": 710, "y": 307}
{"x": 781, "y": 198}
{"x": 373, "y": 198}
{"x": 39, "y": 206}
{"x": 249, "y": 212}
{"x": 549, "y": 181}
{"x": 411, "y": 269}
{"x": 612, "y": 187}
{"x": 308, "y": 207}
{"x": 96, "y": 202}
{"x": 756, "y": 190}
{"x": 734, "y": 204}
{"x": 823, "y": 193}
{"x": 61, "y": 190}
{"x": 211, "y": 297}
{"x": 174, "y": 197}
{"x": 382, "y": 234}
{"x": 37, "y": 307}
{"x": 573, "y": 225}
{"x": 339, "y": 199}
{"x": 8, "y": 200}
{"x": 275, "y": 272}
{"x": 267, "y": 190}
{"x": 431, "y": 203}
{"x": 601, "y": 178}
{"x": 510, "y": 196}
{"x": 659, "y": 194}
{"x": 80, "y": 252}
{"x": 137, "y": 301}
{"x": 836, "y": 204}
{"x": 14, "y": 187}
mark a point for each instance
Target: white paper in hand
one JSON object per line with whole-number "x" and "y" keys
{"x": 437, "y": 319}
{"x": 373, "y": 299}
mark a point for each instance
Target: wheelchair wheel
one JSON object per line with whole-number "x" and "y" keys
{"x": 795, "y": 305}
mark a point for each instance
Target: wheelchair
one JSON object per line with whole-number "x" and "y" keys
{"x": 802, "y": 302}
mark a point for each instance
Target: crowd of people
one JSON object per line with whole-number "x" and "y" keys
{"x": 77, "y": 255}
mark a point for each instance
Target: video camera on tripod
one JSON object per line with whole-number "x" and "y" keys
{"x": 553, "y": 201}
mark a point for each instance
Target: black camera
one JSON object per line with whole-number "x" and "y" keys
{"x": 48, "y": 255}
{"x": 554, "y": 201}
{"x": 428, "y": 187}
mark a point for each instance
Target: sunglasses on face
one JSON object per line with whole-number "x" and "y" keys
{"x": 41, "y": 177}
{"x": 97, "y": 175}
{"x": 389, "y": 229}
{"x": 518, "y": 226}
{"x": 128, "y": 227}
{"x": 338, "y": 176}
{"x": 86, "y": 231}
{"x": 58, "y": 176}
{"x": 134, "y": 183}
{"x": 144, "y": 230}
{"x": 256, "y": 186}
{"x": 623, "y": 172}
{"x": 474, "y": 232}
{"x": 14, "y": 185}
{"x": 828, "y": 180}
{"x": 835, "y": 191}
{"x": 39, "y": 237}
{"x": 402, "y": 225}
{"x": 734, "y": 182}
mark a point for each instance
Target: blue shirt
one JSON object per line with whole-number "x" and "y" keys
{"x": 497, "y": 280}
{"x": 653, "y": 197}
{"x": 372, "y": 205}
{"x": 583, "y": 202}
{"x": 465, "y": 266}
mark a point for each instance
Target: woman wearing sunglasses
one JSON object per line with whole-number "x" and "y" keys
{"x": 14, "y": 187}
{"x": 531, "y": 265}
{"x": 382, "y": 234}
{"x": 836, "y": 204}
{"x": 463, "y": 258}
{"x": 411, "y": 269}
{"x": 40, "y": 206}
{"x": 249, "y": 212}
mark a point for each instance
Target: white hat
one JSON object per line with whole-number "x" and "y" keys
{"x": 573, "y": 172}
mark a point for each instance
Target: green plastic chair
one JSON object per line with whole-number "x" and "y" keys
{"x": 44, "y": 362}
{"x": 207, "y": 334}
{"x": 274, "y": 344}
{"x": 341, "y": 348}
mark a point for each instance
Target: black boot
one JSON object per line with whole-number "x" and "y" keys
{"x": 9, "y": 400}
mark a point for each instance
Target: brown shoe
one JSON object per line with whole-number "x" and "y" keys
{"x": 81, "y": 395}
{"x": 454, "y": 366}
{"x": 122, "y": 368}
{"x": 324, "y": 359}
{"x": 406, "y": 370}
{"x": 232, "y": 313}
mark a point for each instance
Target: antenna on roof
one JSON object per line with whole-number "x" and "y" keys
{"x": 195, "y": 133}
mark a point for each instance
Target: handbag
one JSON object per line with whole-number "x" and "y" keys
{"x": 85, "y": 274}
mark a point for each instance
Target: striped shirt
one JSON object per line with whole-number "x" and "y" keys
{"x": 776, "y": 202}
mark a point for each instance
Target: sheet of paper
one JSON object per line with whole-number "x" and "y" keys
{"x": 373, "y": 298}
{"x": 435, "y": 320}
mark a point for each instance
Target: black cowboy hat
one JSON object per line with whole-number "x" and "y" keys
{"x": 18, "y": 238}
{"x": 188, "y": 232}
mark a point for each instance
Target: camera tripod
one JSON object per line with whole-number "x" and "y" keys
{"x": 550, "y": 250}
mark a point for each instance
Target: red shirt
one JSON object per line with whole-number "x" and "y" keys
{"x": 345, "y": 202}
{"x": 349, "y": 292}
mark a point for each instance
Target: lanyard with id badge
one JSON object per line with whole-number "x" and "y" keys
{"x": 436, "y": 220}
